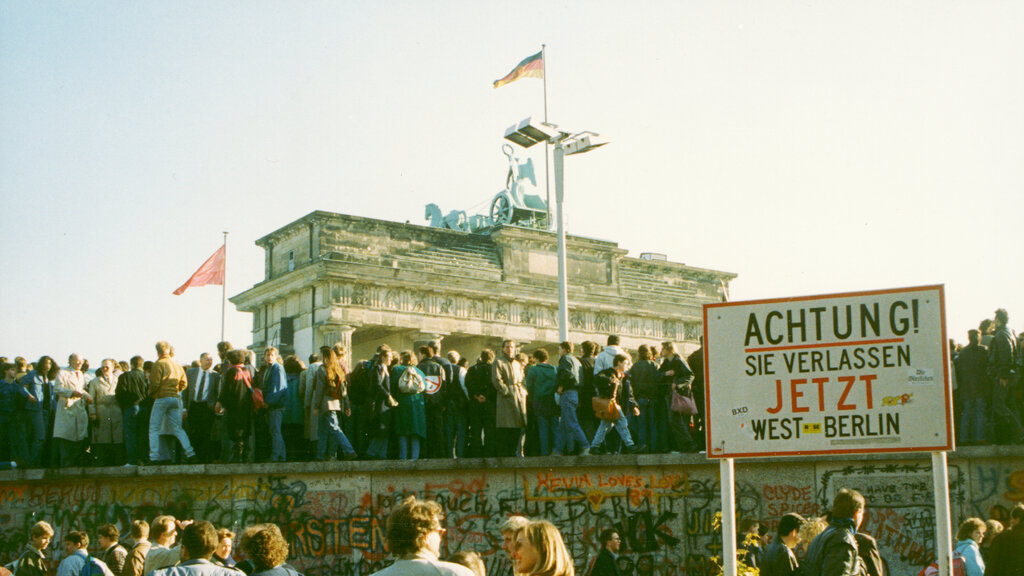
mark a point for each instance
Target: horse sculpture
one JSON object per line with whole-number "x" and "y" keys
{"x": 455, "y": 220}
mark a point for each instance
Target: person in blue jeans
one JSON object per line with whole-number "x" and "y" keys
{"x": 275, "y": 394}
{"x": 35, "y": 409}
{"x": 330, "y": 396}
{"x": 567, "y": 380}
{"x": 612, "y": 383}
{"x": 540, "y": 389}
{"x": 652, "y": 398}
{"x": 456, "y": 422}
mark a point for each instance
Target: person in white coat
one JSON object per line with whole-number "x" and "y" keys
{"x": 71, "y": 421}
{"x": 606, "y": 358}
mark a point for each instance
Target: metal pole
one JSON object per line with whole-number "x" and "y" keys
{"x": 563, "y": 287}
{"x": 547, "y": 172}
{"x": 224, "y": 288}
{"x": 725, "y": 467}
{"x": 943, "y": 527}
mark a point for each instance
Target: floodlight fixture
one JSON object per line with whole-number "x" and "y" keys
{"x": 582, "y": 142}
{"x": 528, "y": 132}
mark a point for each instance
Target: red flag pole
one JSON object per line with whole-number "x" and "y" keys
{"x": 224, "y": 288}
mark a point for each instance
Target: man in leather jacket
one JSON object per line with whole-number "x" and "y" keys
{"x": 834, "y": 551}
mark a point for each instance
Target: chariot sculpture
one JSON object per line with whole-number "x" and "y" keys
{"x": 517, "y": 205}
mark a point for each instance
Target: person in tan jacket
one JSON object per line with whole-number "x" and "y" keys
{"x": 166, "y": 381}
{"x": 510, "y": 413}
{"x": 135, "y": 562}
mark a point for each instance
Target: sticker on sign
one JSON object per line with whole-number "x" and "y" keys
{"x": 828, "y": 374}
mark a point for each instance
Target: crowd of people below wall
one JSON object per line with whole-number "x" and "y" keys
{"x": 168, "y": 547}
{"x": 832, "y": 545}
{"x": 835, "y": 545}
{"x": 412, "y": 404}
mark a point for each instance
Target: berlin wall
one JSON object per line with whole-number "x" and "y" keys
{"x": 664, "y": 506}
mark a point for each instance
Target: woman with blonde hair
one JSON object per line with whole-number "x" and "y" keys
{"x": 810, "y": 530}
{"x": 540, "y": 551}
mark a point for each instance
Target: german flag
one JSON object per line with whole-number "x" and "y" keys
{"x": 531, "y": 67}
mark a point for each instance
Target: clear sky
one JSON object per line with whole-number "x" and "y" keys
{"x": 810, "y": 147}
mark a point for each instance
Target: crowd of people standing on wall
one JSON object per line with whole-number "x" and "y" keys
{"x": 413, "y": 404}
{"x": 989, "y": 387}
{"x": 396, "y": 405}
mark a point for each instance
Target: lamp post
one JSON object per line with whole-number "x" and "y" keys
{"x": 528, "y": 133}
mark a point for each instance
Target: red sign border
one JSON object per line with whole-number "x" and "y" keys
{"x": 950, "y": 440}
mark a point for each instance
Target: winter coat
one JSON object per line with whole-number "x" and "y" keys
{"x": 569, "y": 373}
{"x": 608, "y": 383}
{"x": 410, "y": 417}
{"x": 606, "y": 359}
{"x": 236, "y": 400}
{"x": 507, "y": 378}
{"x": 972, "y": 372}
{"x": 71, "y": 422}
{"x": 645, "y": 380}
{"x": 540, "y": 388}
{"x": 107, "y": 425}
{"x": 1001, "y": 354}
{"x": 833, "y": 552}
{"x": 310, "y": 411}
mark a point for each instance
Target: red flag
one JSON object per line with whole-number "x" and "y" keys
{"x": 211, "y": 272}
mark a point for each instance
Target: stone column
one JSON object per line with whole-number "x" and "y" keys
{"x": 424, "y": 338}
{"x": 332, "y": 334}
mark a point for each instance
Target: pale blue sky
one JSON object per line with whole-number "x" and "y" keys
{"x": 810, "y": 147}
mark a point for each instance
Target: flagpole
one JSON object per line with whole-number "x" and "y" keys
{"x": 224, "y": 288}
{"x": 547, "y": 145}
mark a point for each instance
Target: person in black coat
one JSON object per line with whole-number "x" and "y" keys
{"x": 676, "y": 372}
{"x": 604, "y": 564}
{"x": 652, "y": 398}
{"x": 434, "y": 401}
{"x": 612, "y": 383}
{"x": 133, "y": 398}
{"x": 778, "y": 558}
{"x": 381, "y": 403}
{"x": 235, "y": 401}
{"x": 695, "y": 362}
{"x": 585, "y": 410}
{"x": 834, "y": 551}
{"x": 481, "y": 407}
{"x": 1001, "y": 367}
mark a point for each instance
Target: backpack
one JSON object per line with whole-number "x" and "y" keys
{"x": 258, "y": 403}
{"x": 91, "y": 568}
{"x": 959, "y": 566}
{"x": 410, "y": 382}
{"x": 360, "y": 388}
